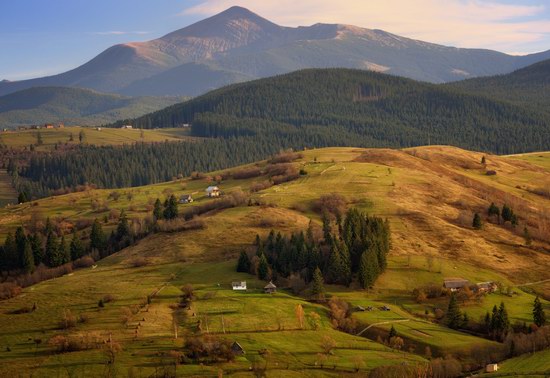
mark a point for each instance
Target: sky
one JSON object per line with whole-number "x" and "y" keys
{"x": 44, "y": 37}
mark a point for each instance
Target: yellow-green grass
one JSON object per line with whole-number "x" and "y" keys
{"x": 8, "y": 195}
{"x": 529, "y": 365}
{"x": 105, "y": 136}
{"x": 538, "y": 158}
{"x": 251, "y": 318}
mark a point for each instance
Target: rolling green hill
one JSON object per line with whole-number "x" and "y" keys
{"x": 428, "y": 195}
{"x": 325, "y": 107}
{"x": 74, "y": 106}
{"x": 529, "y": 86}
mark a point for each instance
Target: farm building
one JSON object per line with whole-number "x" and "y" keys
{"x": 239, "y": 285}
{"x": 270, "y": 288}
{"x": 455, "y": 284}
{"x": 490, "y": 368}
{"x": 487, "y": 287}
{"x": 237, "y": 349}
{"x": 186, "y": 198}
{"x": 126, "y": 127}
{"x": 213, "y": 191}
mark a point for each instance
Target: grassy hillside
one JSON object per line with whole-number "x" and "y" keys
{"x": 528, "y": 87}
{"x": 328, "y": 107}
{"x": 104, "y": 137}
{"x": 73, "y": 106}
{"x": 429, "y": 195}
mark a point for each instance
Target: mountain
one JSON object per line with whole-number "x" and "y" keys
{"x": 73, "y": 106}
{"x": 238, "y": 45}
{"x": 529, "y": 86}
{"x": 342, "y": 107}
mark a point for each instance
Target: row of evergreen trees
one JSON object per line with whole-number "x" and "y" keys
{"x": 356, "y": 246}
{"x": 23, "y": 251}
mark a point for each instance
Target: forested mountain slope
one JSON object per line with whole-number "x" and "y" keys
{"x": 73, "y": 106}
{"x": 323, "y": 107}
{"x": 529, "y": 86}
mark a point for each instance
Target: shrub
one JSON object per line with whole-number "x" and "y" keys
{"x": 109, "y": 298}
{"x": 68, "y": 320}
{"x": 209, "y": 348}
{"x": 257, "y": 186}
{"x": 75, "y": 343}
{"x": 331, "y": 203}
{"x": 83, "y": 262}
{"x": 247, "y": 173}
{"x": 9, "y": 290}
{"x": 285, "y": 157}
{"x": 138, "y": 262}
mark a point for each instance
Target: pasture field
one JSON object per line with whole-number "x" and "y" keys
{"x": 103, "y": 137}
{"x": 429, "y": 196}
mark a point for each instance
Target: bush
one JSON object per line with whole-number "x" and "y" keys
{"x": 138, "y": 262}
{"x": 209, "y": 348}
{"x": 257, "y": 186}
{"x": 331, "y": 203}
{"x": 285, "y": 157}
{"x": 87, "y": 341}
{"x": 68, "y": 320}
{"x": 109, "y": 298}
{"x": 9, "y": 290}
{"x": 83, "y": 262}
{"x": 247, "y": 173}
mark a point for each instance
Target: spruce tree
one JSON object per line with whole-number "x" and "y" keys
{"x": 171, "y": 208}
{"x": 506, "y": 213}
{"x": 97, "y": 237}
{"x": 454, "y": 317}
{"x": 243, "y": 264}
{"x": 263, "y": 268}
{"x": 527, "y": 236}
{"x": 327, "y": 229}
{"x": 368, "y": 269}
{"x": 21, "y": 243}
{"x": 37, "y": 250}
{"x": 539, "y": 317}
{"x": 28, "y": 259}
{"x": 52, "y": 257}
{"x": 76, "y": 248}
{"x": 494, "y": 211}
{"x": 393, "y": 332}
{"x": 476, "y": 223}
{"x": 64, "y": 251}
{"x": 123, "y": 228}
{"x": 157, "y": 210}
{"x": 317, "y": 286}
{"x": 10, "y": 252}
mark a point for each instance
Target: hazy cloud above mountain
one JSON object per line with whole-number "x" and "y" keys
{"x": 511, "y": 26}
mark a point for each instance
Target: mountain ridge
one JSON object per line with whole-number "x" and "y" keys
{"x": 242, "y": 43}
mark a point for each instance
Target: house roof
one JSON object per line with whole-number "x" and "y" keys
{"x": 212, "y": 188}
{"x": 237, "y": 346}
{"x": 270, "y": 285}
{"x": 238, "y": 283}
{"x": 455, "y": 283}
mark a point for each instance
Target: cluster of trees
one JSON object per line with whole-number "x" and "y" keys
{"x": 25, "y": 251}
{"x": 357, "y": 108}
{"x": 497, "y": 323}
{"x": 167, "y": 211}
{"x": 355, "y": 246}
{"x": 506, "y": 214}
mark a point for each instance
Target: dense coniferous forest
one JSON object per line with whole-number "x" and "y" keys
{"x": 357, "y": 107}
{"x": 311, "y": 108}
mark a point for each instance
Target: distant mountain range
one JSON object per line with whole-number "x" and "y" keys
{"x": 74, "y": 106}
{"x": 238, "y": 45}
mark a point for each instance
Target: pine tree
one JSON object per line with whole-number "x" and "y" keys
{"x": 157, "y": 210}
{"x": 263, "y": 268}
{"x": 10, "y": 252}
{"x": 454, "y": 317}
{"x": 527, "y": 236}
{"x": 368, "y": 269}
{"x": 317, "y": 286}
{"x": 21, "y": 243}
{"x": 76, "y": 248}
{"x": 244, "y": 263}
{"x": 327, "y": 229}
{"x": 476, "y": 223}
{"x": 494, "y": 210}
{"x": 52, "y": 256}
{"x": 171, "y": 208}
{"x": 64, "y": 251}
{"x": 393, "y": 332}
{"x": 28, "y": 259}
{"x": 123, "y": 228}
{"x": 37, "y": 250}
{"x": 506, "y": 213}
{"x": 539, "y": 317}
{"x": 97, "y": 237}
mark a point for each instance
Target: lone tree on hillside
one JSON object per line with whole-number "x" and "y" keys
{"x": 539, "y": 317}
{"x": 527, "y": 236}
{"x": 476, "y": 223}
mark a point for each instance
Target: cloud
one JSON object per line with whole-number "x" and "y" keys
{"x": 118, "y": 32}
{"x": 461, "y": 23}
